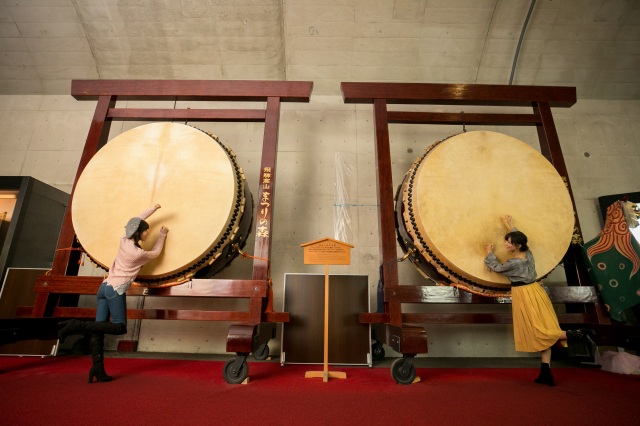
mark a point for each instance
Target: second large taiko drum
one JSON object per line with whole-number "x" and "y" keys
{"x": 450, "y": 204}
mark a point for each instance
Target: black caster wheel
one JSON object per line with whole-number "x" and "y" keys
{"x": 401, "y": 373}
{"x": 232, "y": 374}
{"x": 262, "y": 353}
{"x": 377, "y": 351}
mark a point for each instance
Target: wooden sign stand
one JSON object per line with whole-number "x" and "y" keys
{"x": 326, "y": 252}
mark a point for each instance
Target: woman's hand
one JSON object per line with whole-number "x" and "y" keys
{"x": 507, "y": 221}
{"x": 489, "y": 248}
{"x": 164, "y": 230}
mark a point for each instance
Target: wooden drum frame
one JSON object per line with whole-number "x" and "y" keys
{"x": 57, "y": 294}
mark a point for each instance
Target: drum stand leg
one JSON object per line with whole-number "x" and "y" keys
{"x": 244, "y": 339}
{"x": 408, "y": 340}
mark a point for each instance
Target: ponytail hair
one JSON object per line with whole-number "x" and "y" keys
{"x": 518, "y": 238}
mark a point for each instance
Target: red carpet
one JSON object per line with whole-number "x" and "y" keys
{"x": 54, "y": 391}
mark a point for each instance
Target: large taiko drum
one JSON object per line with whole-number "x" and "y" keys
{"x": 450, "y": 205}
{"x": 205, "y": 201}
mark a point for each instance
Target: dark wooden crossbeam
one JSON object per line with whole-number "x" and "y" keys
{"x": 457, "y": 94}
{"x": 202, "y": 90}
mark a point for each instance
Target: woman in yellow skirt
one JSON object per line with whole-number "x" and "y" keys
{"x": 535, "y": 324}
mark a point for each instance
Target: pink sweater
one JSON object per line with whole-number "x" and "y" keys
{"x": 131, "y": 258}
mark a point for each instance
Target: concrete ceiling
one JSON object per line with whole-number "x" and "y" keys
{"x": 591, "y": 44}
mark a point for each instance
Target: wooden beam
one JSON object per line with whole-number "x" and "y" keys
{"x": 461, "y": 318}
{"x": 220, "y": 115}
{"x": 441, "y": 294}
{"x": 416, "y": 117}
{"x": 59, "y": 284}
{"x": 457, "y": 94}
{"x": 26, "y": 311}
{"x": 159, "y": 314}
{"x": 202, "y": 90}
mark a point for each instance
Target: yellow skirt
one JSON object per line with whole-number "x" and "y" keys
{"x": 535, "y": 324}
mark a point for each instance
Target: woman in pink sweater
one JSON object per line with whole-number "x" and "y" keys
{"x": 112, "y": 294}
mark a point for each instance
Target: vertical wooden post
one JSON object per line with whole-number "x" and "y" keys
{"x": 266, "y": 200}
{"x": 65, "y": 261}
{"x": 575, "y": 270}
{"x": 386, "y": 224}
{"x": 97, "y": 137}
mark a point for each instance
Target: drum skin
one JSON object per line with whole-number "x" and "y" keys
{"x": 205, "y": 202}
{"x": 452, "y": 201}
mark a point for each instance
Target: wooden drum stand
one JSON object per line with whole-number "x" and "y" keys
{"x": 57, "y": 293}
{"x": 392, "y": 326}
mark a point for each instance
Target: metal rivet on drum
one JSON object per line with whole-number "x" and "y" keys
{"x": 256, "y": 288}
{"x": 44, "y": 284}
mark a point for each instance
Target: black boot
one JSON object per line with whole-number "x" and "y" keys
{"x": 70, "y": 328}
{"x": 97, "y": 357}
{"x": 105, "y": 327}
{"x": 545, "y": 377}
{"x": 80, "y": 327}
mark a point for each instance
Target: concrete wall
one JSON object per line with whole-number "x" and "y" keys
{"x": 326, "y": 188}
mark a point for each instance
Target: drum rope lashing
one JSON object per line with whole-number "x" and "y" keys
{"x": 80, "y": 249}
{"x": 163, "y": 285}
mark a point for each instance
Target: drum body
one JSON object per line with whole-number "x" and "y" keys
{"x": 205, "y": 201}
{"x": 452, "y": 201}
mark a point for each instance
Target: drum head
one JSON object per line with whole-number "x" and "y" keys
{"x": 189, "y": 173}
{"x": 456, "y": 194}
